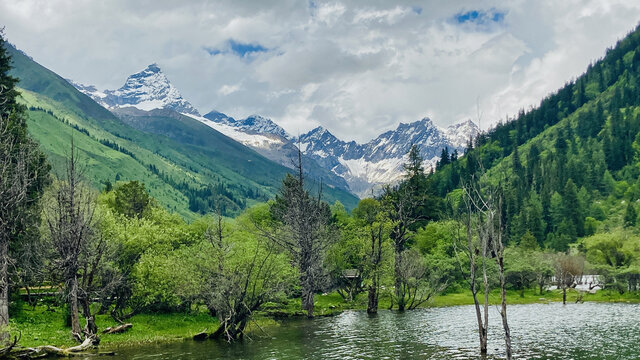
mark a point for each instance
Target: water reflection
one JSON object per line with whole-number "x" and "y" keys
{"x": 540, "y": 331}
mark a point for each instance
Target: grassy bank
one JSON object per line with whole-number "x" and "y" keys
{"x": 40, "y": 326}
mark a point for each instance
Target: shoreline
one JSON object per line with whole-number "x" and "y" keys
{"x": 44, "y": 327}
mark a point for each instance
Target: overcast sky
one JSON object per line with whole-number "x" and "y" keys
{"x": 356, "y": 67}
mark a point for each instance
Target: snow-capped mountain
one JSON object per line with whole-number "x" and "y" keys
{"x": 253, "y": 123}
{"x": 361, "y": 168}
{"x": 460, "y": 133}
{"x": 146, "y": 90}
{"x": 366, "y": 167}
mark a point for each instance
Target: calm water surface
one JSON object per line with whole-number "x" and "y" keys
{"x": 539, "y": 331}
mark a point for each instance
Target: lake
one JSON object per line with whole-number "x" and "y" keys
{"x": 539, "y": 331}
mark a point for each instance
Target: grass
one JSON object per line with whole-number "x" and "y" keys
{"x": 40, "y": 326}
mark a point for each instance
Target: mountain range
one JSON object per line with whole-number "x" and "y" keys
{"x": 187, "y": 166}
{"x": 359, "y": 168}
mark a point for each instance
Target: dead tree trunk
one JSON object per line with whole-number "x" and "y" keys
{"x": 70, "y": 222}
{"x": 498, "y": 249}
{"x": 485, "y": 284}
{"x": 303, "y": 230}
{"x": 4, "y": 290}
{"x": 376, "y": 259}
{"x": 72, "y": 296}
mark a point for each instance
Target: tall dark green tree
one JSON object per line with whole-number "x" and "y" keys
{"x": 23, "y": 176}
{"x": 409, "y": 205}
{"x": 630, "y": 215}
{"x": 132, "y": 199}
{"x": 572, "y": 210}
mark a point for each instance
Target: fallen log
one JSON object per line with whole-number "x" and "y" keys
{"x": 117, "y": 329}
{"x": 203, "y": 335}
{"x": 50, "y": 350}
{"x": 6, "y": 350}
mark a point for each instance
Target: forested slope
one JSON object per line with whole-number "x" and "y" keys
{"x": 570, "y": 166}
{"x": 187, "y": 178}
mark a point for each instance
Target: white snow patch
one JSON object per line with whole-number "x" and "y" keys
{"x": 252, "y": 140}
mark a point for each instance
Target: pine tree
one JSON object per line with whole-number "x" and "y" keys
{"x": 23, "y": 176}
{"x": 572, "y": 210}
{"x": 630, "y": 215}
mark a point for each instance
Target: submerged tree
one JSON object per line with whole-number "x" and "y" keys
{"x": 484, "y": 211}
{"x": 23, "y": 176}
{"x": 244, "y": 273}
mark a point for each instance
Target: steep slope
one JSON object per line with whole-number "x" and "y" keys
{"x": 146, "y": 90}
{"x": 378, "y": 162}
{"x": 150, "y": 90}
{"x": 252, "y": 124}
{"x": 570, "y": 167}
{"x": 201, "y": 133}
{"x": 184, "y": 177}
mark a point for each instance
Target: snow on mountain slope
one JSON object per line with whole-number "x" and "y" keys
{"x": 254, "y": 124}
{"x": 362, "y": 166}
{"x": 459, "y": 134}
{"x": 146, "y": 90}
{"x": 255, "y": 140}
{"x": 378, "y": 162}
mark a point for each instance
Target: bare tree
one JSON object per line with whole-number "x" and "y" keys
{"x": 476, "y": 251}
{"x": 419, "y": 282}
{"x": 70, "y": 219}
{"x": 568, "y": 268}
{"x": 302, "y": 228}
{"x": 486, "y": 207}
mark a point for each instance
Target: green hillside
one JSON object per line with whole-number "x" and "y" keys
{"x": 570, "y": 167}
{"x": 188, "y": 178}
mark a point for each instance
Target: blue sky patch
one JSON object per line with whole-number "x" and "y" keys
{"x": 481, "y": 18}
{"x": 237, "y": 48}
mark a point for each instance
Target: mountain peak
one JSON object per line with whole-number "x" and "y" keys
{"x": 146, "y": 90}
{"x": 154, "y": 68}
{"x": 252, "y": 124}
{"x": 459, "y": 134}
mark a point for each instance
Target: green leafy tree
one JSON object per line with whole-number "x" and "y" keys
{"x": 409, "y": 205}
{"x": 131, "y": 199}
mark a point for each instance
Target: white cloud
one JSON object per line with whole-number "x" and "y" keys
{"x": 228, "y": 89}
{"x": 355, "y": 67}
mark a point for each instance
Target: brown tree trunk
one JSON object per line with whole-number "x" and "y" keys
{"x": 90, "y": 329}
{"x": 564, "y": 296}
{"x": 307, "y": 302}
{"x": 372, "y": 305}
{"x": 76, "y": 330}
{"x": 503, "y": 310}
{"x": 485, "y": 329}
{"x": 4, "y": 291}
{"x": 398, "y": 282}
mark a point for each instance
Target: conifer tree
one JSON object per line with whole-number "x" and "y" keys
{"x": 23, "y": 176}
{"x": 630, "y": 215}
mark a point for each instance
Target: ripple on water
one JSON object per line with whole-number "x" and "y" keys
{"x": 539, "y": 331}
